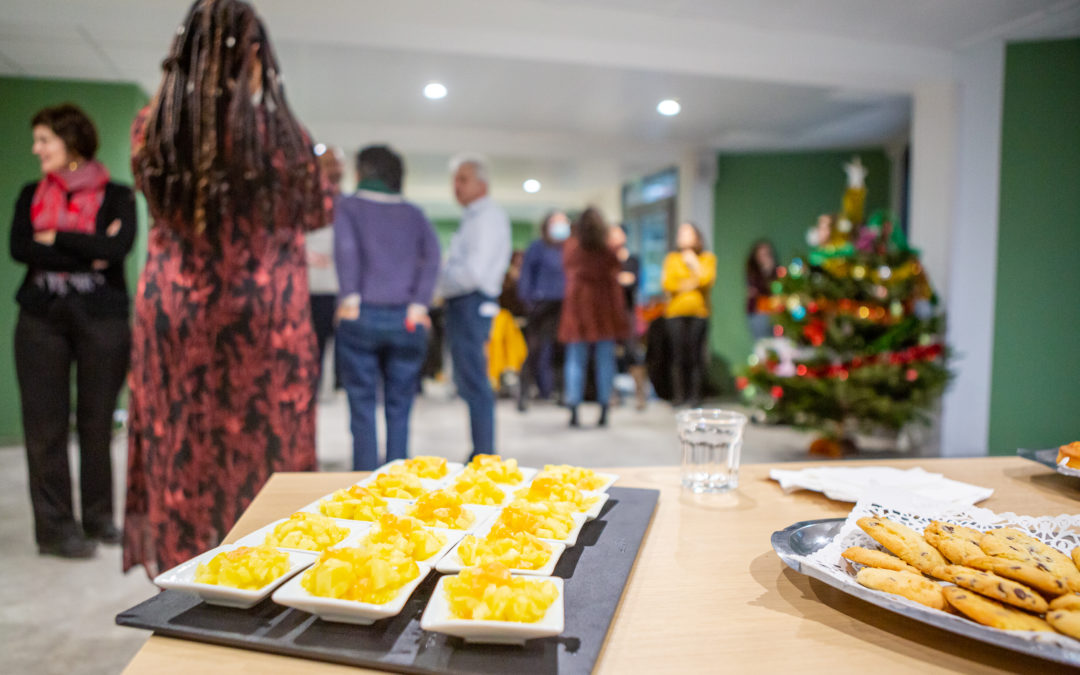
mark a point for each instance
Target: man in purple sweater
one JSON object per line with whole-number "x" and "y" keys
{"x": 387, "y": 258}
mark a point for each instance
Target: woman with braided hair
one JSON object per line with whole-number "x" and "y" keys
{"x": 224, "y": 356}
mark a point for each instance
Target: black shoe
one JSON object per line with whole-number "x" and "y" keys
{"x": 603, "y": 416}
{"x": 74, "y": 546}
{"x": 107, "y": 534}
{"x": 573, "y": 417}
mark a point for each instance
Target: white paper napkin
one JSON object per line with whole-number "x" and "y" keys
{"x": 849, "y": 484}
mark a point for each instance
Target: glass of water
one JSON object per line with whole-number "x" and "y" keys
{"x": 711, "y": 444}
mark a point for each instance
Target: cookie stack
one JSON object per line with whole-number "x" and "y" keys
{"x": 1001, "y": 578}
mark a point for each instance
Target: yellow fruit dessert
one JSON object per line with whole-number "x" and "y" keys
{"x": 475, "y": 487}
{"x": 579, "y": 477}
{"x": 406, "y": 535}
{"x": 442, "y": 509}
{"x": 489, "y": 593}
{"x": 397, "y": 485}
{"x": 248, "y": 568}
{"x": 354, "y": 503}
{"x": 540, "y": 519}
{"x": 497, "y": 469}
{"x": 307, "y": 531}
{"x": 423, "y": 466}
{"x": 373, "y": 574}
{"x": 548, "y": 489}
{"x": 520, "y": 550}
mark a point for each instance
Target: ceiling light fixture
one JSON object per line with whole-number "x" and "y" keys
{"x": 668, "y": 107}
{"x": 532, "y": 186}
{"x": 435, "y": 91}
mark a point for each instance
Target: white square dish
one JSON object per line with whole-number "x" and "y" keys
{"x": 182, "y": 578}
{"x": 296, "y": 596}
{"x": 394, "y": 506}
{"x": 452, "y": 539}
{"x": 452, "y": 470}
{"x": 593, "y": 512}
{"x": 483, "y": 517}
{"x": 356, "y": 529}
{"x": 451, "y": 563}
{"x": 571, "y": 539}
{"x": 437, "y": 619}
{"x": 608, "y": 478}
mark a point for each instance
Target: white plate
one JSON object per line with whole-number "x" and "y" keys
{"x": 593, "y": 511}
{"x": 394, "y": 506}
{"x": 452, "y": 539}
{"x": 356, "y": 529}
{"x": 609, "y": 480}
{"x": 452, "y": 470}
{"x": 437, "y": 619}
{"x": 451, "y": 562}
{"x": 484, "y": 515}
{"x": 294, "y": 595}
{"x": 182, "y": 578}
{"x": 571, "y": 539}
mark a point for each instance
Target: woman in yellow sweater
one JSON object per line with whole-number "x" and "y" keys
{"x": 689, "y": 272}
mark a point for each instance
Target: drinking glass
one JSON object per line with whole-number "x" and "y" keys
{"x": 711, "y": 444}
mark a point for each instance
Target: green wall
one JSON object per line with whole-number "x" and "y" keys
{"x": 522, "y": 232}
{"x": 777, "y": 196}
{"x": 1035, "y": 381}
{"x": 112, "y": 107}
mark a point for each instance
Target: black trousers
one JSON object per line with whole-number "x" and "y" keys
{"x": 45, "y": 348}
{"x": 686, "y": 337}
{"x": 541, "y": 335}
{"x": 323, "y": 306}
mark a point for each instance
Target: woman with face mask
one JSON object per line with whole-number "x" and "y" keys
{"x": 688, "y": 275}
{"x": 541, "y": 288}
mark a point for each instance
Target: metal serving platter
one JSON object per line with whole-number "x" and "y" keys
{"x": 809, "y": 536}
{"x": 1046, "y": 457}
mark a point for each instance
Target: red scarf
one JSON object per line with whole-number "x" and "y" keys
{"x": 68, "y": 201}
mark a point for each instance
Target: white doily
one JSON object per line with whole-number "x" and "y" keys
{"x": 1062, "y": 532}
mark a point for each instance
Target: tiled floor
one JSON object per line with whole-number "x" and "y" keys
{"x": 56, "y": 616}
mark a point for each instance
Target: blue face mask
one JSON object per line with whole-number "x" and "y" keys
{"x": 559, "y": 231}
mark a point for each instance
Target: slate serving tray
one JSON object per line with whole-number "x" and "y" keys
{"x": 595, "y": 571}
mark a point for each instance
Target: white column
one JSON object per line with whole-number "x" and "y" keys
{"x": 933, "y": 187}
{"x": 973, "y": 249}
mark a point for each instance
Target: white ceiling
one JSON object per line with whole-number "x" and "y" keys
{"x": 561, "y": 90}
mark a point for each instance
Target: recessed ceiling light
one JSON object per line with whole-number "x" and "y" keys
{"x": 320, "y": 149}
{"x": 435, "y": 91}
{"x": 668, "y": 107}
{"x": 532, "y": 186}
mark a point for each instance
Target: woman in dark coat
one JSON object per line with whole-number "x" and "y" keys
{"x": 224, "y": 361}
{"x": 593, "y": 312}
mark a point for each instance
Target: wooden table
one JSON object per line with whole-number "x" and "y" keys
{"x": 707, "y": 593}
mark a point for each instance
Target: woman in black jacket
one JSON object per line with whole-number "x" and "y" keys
{"x": 72, "y": 229}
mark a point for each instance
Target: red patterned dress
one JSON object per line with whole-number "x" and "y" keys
{"x": 222, "y": 381}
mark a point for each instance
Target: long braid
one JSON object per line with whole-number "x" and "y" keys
{"x": 210, "y": 148}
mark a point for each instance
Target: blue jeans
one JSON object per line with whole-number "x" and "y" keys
{"x": 467, "y": 332}
{"x": 577, "y": 357}
{"x": 378, "y": 346}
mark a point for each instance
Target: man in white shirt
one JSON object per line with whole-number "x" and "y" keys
{"x": 471, "y": 282}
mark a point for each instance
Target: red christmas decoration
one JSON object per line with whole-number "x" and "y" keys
{"x": 815, "y": 332}
{"x": 741, "y": 382}
{"x": 777, "y": 391}
{"x": 911, "y": 375}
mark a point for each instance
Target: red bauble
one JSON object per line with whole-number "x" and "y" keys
{"x": 777, "y": 391}
{"x": 911, "y": 375}
{"x": 801, "y": 370}
{"x": 778, "y": 330}
{"x": 741, "y": 382}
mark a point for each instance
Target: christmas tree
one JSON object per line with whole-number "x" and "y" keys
{"x": 858, "y": 338}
